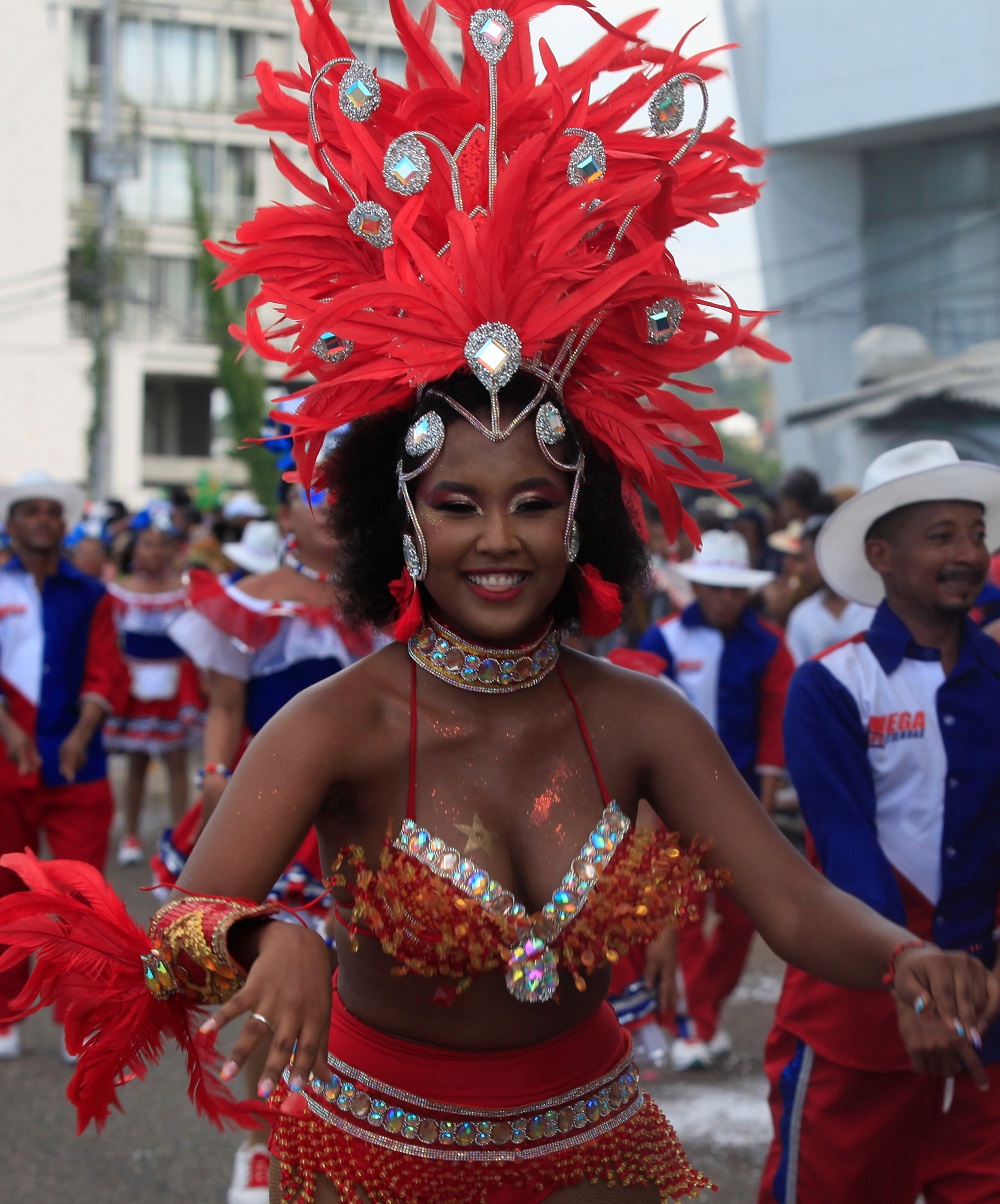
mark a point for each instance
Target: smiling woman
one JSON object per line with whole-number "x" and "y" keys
{"x": 490, "y": 304}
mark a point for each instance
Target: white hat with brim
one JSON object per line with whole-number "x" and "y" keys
{"x": 259, "y": 548}
{"x": 723, "y": 560}
{"x": 928, "y": 470}
{"x": 38, "y": 485}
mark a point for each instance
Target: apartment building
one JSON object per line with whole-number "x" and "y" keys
{"x": 183, "y": 74}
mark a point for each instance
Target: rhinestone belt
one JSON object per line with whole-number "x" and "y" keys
{"x": 396, "y": 1120}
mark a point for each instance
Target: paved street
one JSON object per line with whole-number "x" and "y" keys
{"x": 159, "y": 1150}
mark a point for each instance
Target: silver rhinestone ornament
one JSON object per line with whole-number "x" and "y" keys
{"x": 425, "y": 436}
{"x": 372, "y": 222}
{"x": 406, "y": 168}
{"x": 573, "y": 548}
{"x": 666, "y": 108}
{"x": 664, "y": 318}
{"x": 359, "y": 93}
{"x": 493, "y": 352}
{"x": 550, "y": 428}
{"x": 492, "y": 32}
{"x": 588, "y": 162}
{"x": 411, "y": 558}
{"x": 331, "y": 348}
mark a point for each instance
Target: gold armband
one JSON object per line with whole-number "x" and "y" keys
{"x": 190, "y": 954}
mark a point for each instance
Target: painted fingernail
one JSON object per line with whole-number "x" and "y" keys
{"x": 295, "y": 1083}
{"x": 919, "y": 1005}
{"x": 976, "y": 1038}
{"x": 229, "y": 1070}
{"x": 264, "y": 1088}
{"x": 959, "y": 1030}
{"x": 211, "y": 1025}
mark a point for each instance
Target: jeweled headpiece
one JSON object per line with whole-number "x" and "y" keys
{"x": 497, "y": 222}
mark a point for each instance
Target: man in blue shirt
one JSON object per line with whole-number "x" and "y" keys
{"x": 734, "y": 667}
{"x": 892, "y": 745}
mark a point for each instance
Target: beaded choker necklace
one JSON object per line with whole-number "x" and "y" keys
{"x": 292, "y": 561}
{"x": 483, "y": 670}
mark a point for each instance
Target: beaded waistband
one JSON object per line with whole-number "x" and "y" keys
{"x": 405, "y": 1123}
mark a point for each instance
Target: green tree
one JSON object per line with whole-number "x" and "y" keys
{"x": 239, "y": 376}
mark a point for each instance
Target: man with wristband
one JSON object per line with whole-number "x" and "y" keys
{"x": 61, "y": 675}
{"x": 891, "y": 744}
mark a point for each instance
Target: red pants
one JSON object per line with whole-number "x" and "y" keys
{"x": 76, "y": 821}
{"x": 710, "y": 966}
{"x": 843, "y": 1136}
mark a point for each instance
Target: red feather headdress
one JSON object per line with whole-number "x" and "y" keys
{"x": 497, "y": 220}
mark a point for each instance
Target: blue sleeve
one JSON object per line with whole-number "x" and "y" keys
{"x": 653, "y": 641}
{"x": 826, "y": 751}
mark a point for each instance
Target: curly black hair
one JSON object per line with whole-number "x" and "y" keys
{"x": 368, "y": 517}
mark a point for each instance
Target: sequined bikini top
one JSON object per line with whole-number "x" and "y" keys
{"x": 439, "y": 914}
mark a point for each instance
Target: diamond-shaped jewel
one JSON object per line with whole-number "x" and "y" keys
{"x": 359, "y": 93}
{"x": 549, "y": 425}
{"x": 493, "y": 355}
{"x": 493, "y": 352}
{"x": 331, "y": 348}
{"x": 666, "y": 108}
{"x": 492, "y": 32}
{"x": 372, "y": 223}
{"x": 425, "y": 436}
{"x": 406, "y": 168}
{"x": 588, "y": 163}
{"x": 664, "y": 318}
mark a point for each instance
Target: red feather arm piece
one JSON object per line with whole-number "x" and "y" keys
{"x": 88, "y": 954}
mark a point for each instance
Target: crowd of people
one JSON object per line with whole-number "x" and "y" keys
{"x": 513, "y": 794}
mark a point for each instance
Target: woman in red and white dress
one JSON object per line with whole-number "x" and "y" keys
{"x": 165, "y": 709}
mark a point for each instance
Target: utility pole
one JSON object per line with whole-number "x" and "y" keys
{"x": 107, "y": 167}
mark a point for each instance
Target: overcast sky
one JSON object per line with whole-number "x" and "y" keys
{"x": 728, "y": 254}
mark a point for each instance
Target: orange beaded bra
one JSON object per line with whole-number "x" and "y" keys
{"x": 438, "y": 914}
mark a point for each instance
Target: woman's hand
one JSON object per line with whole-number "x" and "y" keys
{"x": 287, "y": 999}
{"x": 945, "y": 1000}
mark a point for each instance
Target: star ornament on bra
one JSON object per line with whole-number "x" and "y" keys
{"x": 500, "y": 222}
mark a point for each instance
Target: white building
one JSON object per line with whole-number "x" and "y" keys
{"x": 182, "y": 78}
{"x": 882, "y": 205}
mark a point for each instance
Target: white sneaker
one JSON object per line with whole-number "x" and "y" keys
{"x": 251, "y": 1172}
{"x": 10, "y": 1041}
{"x": 130, "y": 851}
{"x": 721, "y": 1045}
{"x": 688, "y": 1053}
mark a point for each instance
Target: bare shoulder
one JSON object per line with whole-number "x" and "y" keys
{"x": 348, "y": 718}
{"x": 266, "y": 587}
{"x": 625, "y": 698}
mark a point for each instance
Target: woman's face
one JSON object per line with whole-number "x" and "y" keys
{"x": 154, "y": 551}
{"x": 494, "y": 517}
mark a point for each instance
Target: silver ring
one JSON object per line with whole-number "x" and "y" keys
{"x": 263, "y": 1019}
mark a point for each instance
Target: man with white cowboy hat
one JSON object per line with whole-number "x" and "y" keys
{"x": 258, "y": 549}
{"x": 60, "y": 675}
{"x": 734, "y": 667}
{"x": 892, "y": 746}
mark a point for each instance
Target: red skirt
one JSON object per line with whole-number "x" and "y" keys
{"x": 405, "y": 1123}
{"x": 155, "y": 725}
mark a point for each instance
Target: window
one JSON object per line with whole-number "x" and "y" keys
{"x": 392, "y": 64}
{"x": 169, "y": 178}
{"x": 85, "y": 50}
{"x": 185, "y": 62}
{"x": 932, "y": 238}
{"x": 240, "y": 47}
{"x": 177, "y": 418}
{"x": 177, "y": 309}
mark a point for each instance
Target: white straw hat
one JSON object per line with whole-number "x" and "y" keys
{"x": 258, "y": 549}
{"x": 37, "y": 484}
{"x": 724, "y": 560}
{"x": 928, "y": 470}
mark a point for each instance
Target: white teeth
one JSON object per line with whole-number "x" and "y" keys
{"x": 496, "y": 581}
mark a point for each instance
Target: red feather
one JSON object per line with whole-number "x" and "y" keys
{"x": 87, "y": 953}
